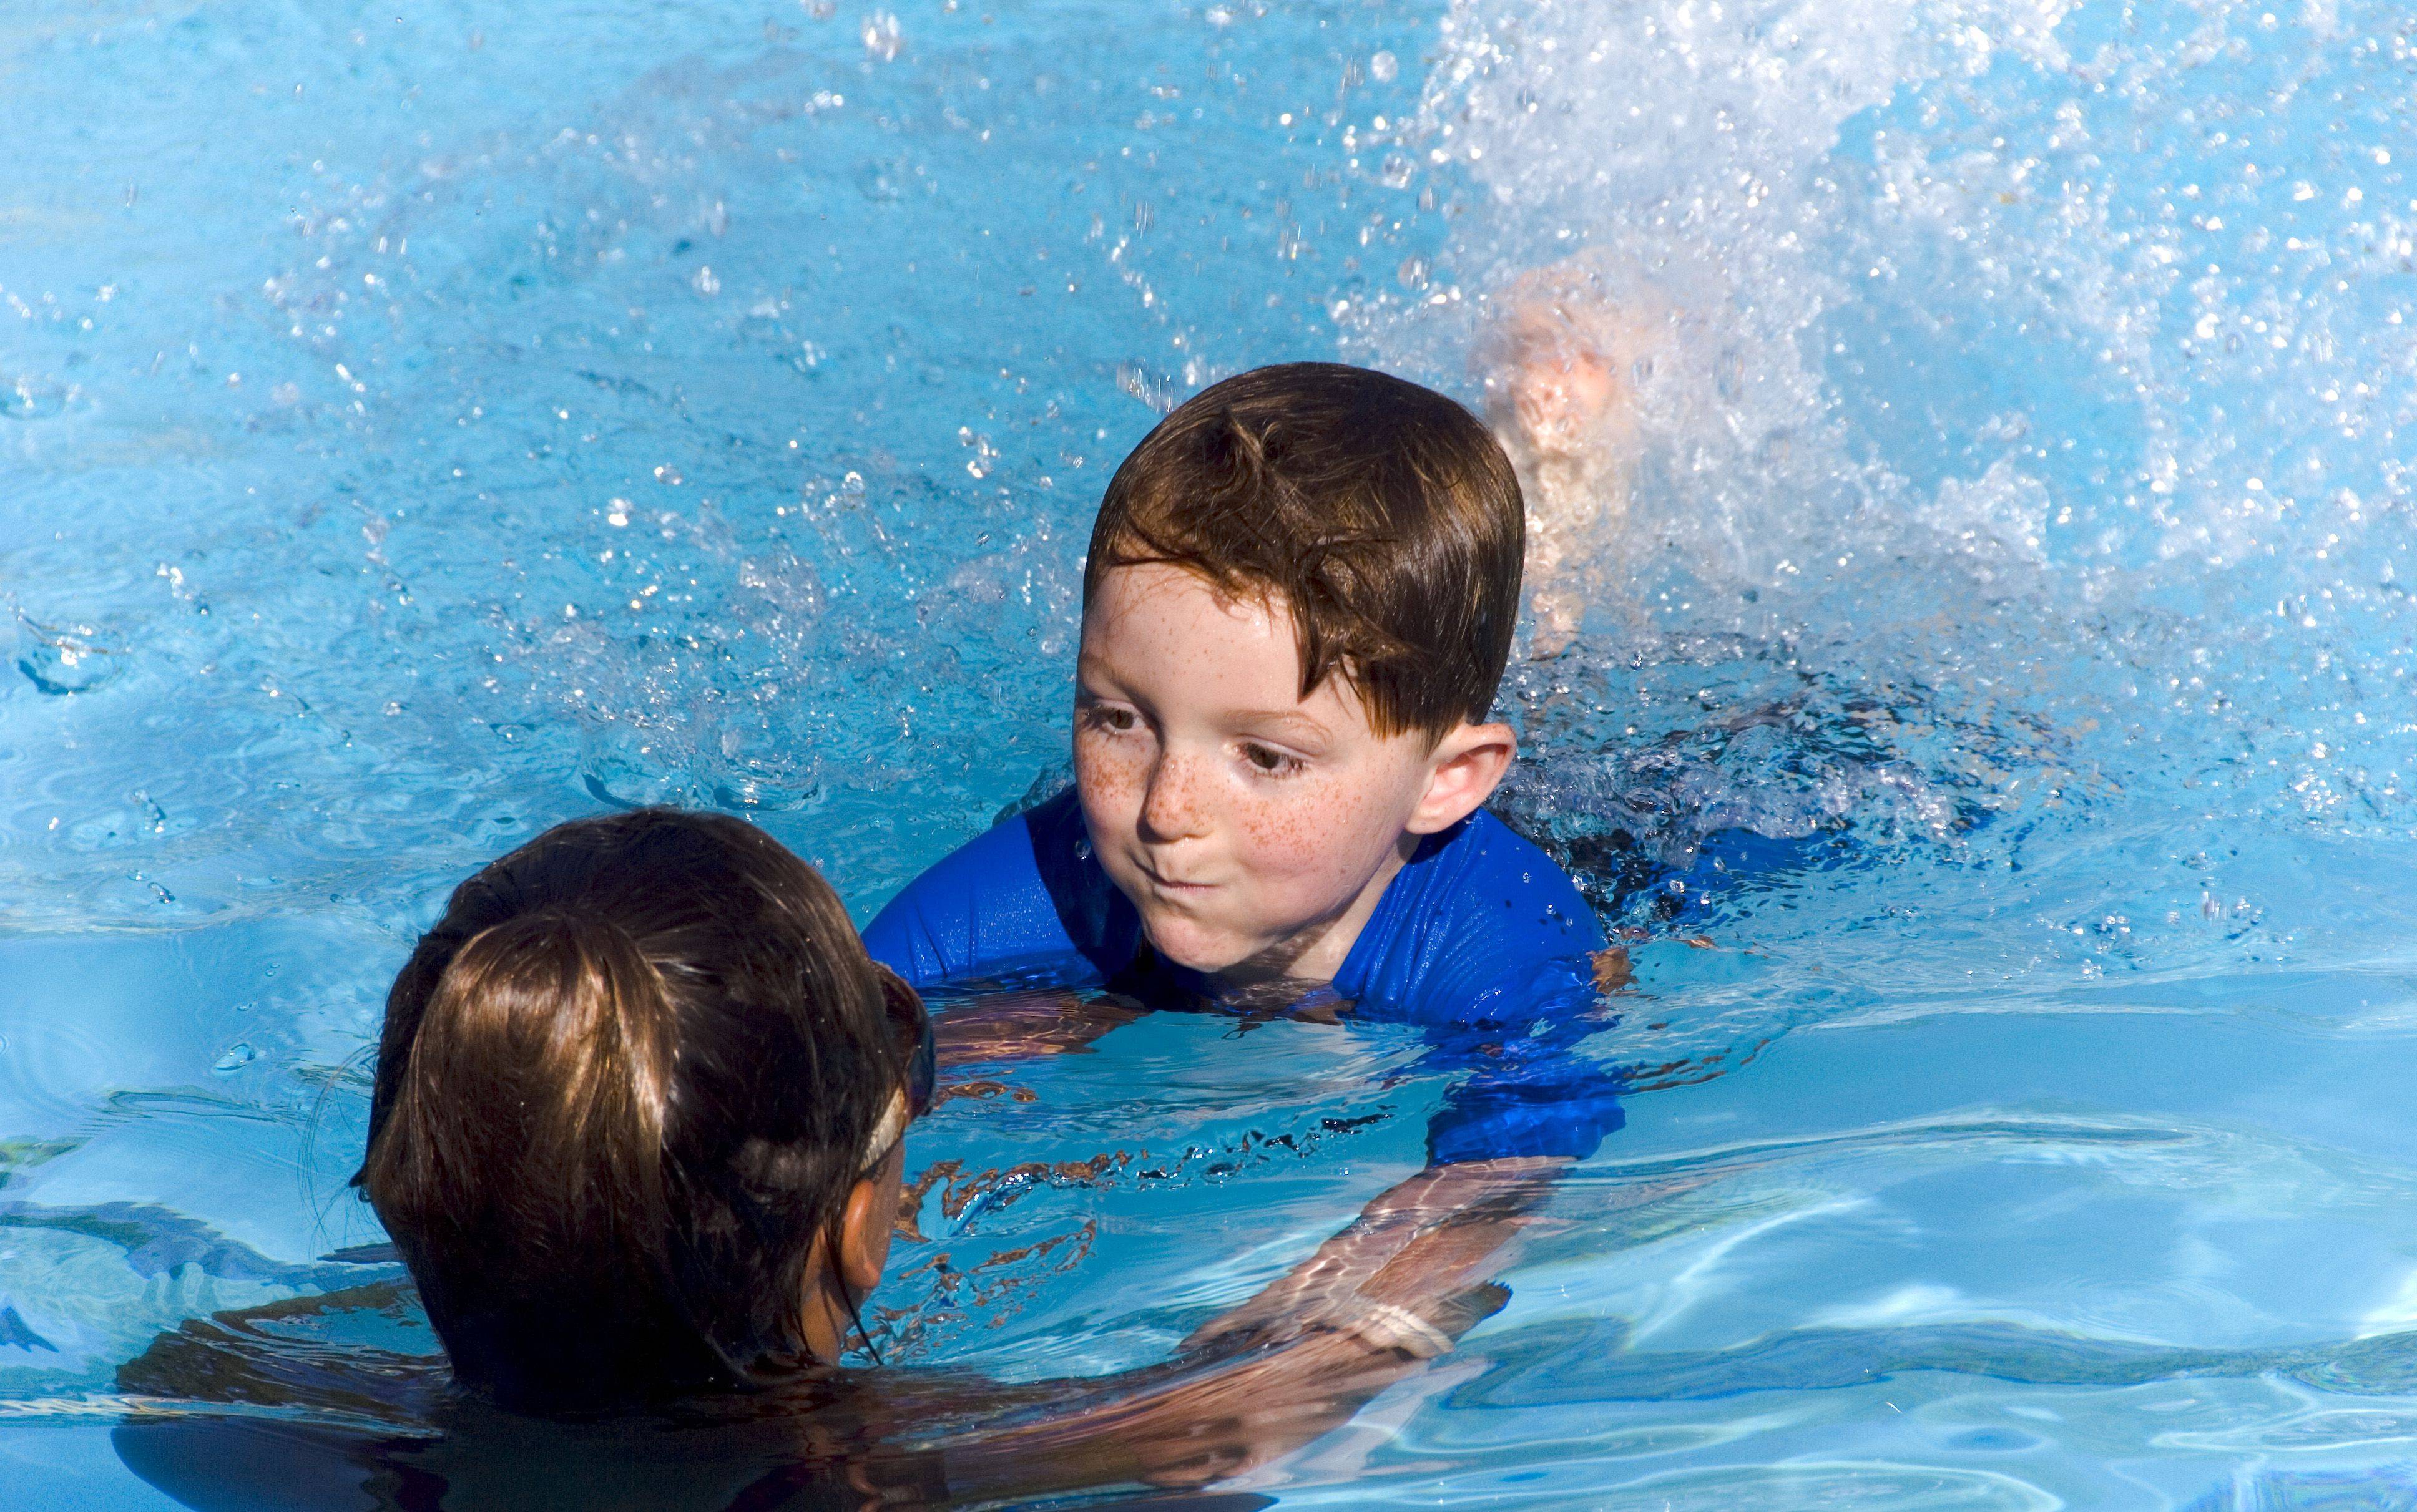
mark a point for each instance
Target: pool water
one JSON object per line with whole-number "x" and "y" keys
{"x": 1991, "y": 725}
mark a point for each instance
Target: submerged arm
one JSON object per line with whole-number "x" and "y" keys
{"x": 1016, "y": 1026}
{"x": 1506, "y": 1135}
{"x": 1437, "y": 1232}
{"x": 1216, "y": 1411}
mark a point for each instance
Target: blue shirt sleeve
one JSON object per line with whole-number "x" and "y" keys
{"x": 1526, "y": 1091}
{"x": 1479, "y": 928}
{"x": 1027, "y": 892}
{"x": 1486, "y": 943}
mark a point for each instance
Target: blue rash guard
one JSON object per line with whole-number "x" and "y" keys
{"x": 1479, "y": 939}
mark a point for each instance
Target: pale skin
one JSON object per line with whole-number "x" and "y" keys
{"x": 1254, "y": 829}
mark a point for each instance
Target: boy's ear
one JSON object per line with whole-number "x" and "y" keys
{"x": 1468, "y": 766}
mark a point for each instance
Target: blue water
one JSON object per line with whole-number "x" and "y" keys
{"x": 1992, "y": 724}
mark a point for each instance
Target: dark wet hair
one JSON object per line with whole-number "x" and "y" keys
{"x": 623, "y": 1085}
{"x": 1386, "y": 516}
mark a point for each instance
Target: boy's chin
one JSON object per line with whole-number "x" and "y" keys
{"x": 1186, "y": 943}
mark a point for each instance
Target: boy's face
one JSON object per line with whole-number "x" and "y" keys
{"x": 1252, "y": 828}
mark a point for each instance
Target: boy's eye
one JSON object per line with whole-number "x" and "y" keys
{"x": 1108, "y": 718}
{"x": 1270, "y": 761}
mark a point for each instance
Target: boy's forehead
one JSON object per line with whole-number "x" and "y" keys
{"x": 1171, "y": 587}
{"x": 1158, "y": 612}
{"x": 1237, "y": 652}
{"x": 1155, "y": 602}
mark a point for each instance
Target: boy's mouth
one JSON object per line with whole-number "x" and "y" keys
{"x": 1165, "y": 883}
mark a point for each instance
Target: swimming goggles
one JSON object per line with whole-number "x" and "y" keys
{"x": 910, "y": 1029}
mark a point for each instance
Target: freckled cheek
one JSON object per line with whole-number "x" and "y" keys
{"x": 1111, "y": 778}
{"x": 1113, "y": 781}
{"x": 1308, "y": 831}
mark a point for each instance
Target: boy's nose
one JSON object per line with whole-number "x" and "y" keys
{"x": 1170, "y": 810}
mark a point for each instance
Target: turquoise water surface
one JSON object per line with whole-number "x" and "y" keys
{"x": 1992, "y": 723}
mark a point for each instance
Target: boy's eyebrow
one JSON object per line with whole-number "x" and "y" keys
{"x": 1088, "y": 667}
{"x": 1284, "y": 719}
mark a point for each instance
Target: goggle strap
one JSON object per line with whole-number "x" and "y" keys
{"x": 885, "y": 1133}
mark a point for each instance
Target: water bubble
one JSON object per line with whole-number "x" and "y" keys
{"x": 1155, "y": 389}
{"x": 705, "y": 282}
{"x": 241, "y": 1055}
{"x": 1383, "y": 67}
{"x": 881, "y": 36}
{"x": 64, "y": 659}
{"x": 1729, "y": 374}
{"x": 35, "y": 399}
{"x": 879, "y": 180}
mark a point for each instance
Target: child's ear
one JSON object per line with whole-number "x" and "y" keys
{"x": 865, "y": 1226}
{"x": 1466, "y": 767}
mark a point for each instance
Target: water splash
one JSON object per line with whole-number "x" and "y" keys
{"x": 2014, "y": 495}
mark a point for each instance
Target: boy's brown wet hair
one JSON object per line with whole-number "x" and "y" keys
{"x": 1384, "y": 514}
{"x": 622, "y": 1087}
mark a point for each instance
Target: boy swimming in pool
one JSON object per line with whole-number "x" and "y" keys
{"x": 1298, "y": 607}
{"x": 636, "y": 1131}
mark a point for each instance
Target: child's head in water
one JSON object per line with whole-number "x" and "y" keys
{"x": 1297, "y": 606}
{"x": 637, "y": 1118}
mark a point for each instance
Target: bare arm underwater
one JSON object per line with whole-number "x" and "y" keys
{"x": 394, "y": 1426}
{"x": 1436, "y": 1233}
{"x": 1018, "y": 1026}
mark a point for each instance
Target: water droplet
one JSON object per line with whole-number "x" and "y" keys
{"x": 33, "y": 398}
{"x": 879, "y": 180}
{"x": 881, "y": 36}
{"x": 64, "y": 659}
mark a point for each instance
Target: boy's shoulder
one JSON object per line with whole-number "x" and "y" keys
{"x": 1027, "y": 890}
{"x": 1482, "y": 879}
{"x": 1480, "y": 918}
